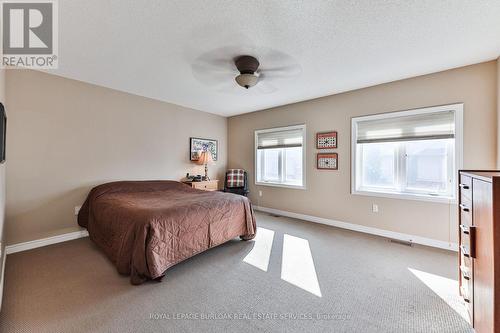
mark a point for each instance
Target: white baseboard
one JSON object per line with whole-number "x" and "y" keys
{"x": 360, "y": 228}
{"x": 2, "y": 279}
{"x": 9, "y": 249}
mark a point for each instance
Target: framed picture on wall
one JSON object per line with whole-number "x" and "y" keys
{"x": 327, "y": 161}
{"x": 326, "y": 140}
{"x": 198, "y": 145}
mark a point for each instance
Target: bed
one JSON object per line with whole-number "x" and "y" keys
{"x": 145, "y": 227}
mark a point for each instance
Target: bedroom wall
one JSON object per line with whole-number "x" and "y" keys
{"x": 2, "y": 196}
{"x": 66, "y": 136}
{"x": 498, "y": 112}
{"x": 328, "y": 192}
{"x": 2, "y": 171}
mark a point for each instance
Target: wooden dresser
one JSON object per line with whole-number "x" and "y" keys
{"x": 205, "y": 185}
{"x": 479, "y": 252}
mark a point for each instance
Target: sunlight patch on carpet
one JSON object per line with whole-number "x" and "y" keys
{"x": 297, "y": 265}
{"x": 446, "y": 289}
{"x": 261, "y": 251}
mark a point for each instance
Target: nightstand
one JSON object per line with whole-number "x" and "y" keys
{"x": 205, "y": 185}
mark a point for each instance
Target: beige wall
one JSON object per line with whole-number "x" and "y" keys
{"x": 498, "y": 112}
{"x": 2, "y": 197}
{"x": 66, "y": 136}
{"x": 328, "y": 192}
{"x": 2, "y": 178}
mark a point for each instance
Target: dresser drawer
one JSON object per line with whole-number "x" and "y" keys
{"x": 465, "y": 261}
{"x": 466, "y": 275}
{"x": 466, "y": 293}
{"x": 465, "y": 187}
{"x": 465, "y": 239}
{"x": 206, "y": 185}
{"x": 465, "y": 207}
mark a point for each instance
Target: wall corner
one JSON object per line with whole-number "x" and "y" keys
{"x": 498, "y": 112}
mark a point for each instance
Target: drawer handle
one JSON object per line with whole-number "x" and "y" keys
{"x": 464, "y": 208}
{"x": 464, "y": 186}
{"x": 465, "y": 229}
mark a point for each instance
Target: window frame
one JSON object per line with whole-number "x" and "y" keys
{"x": 458, "y": 163}
{"x": 282, "y": 163}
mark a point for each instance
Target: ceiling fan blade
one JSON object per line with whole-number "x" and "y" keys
{"x": 211, "y": 67}
{"x": 265, "y": 87}
{"x": 213, "y": 78}
{"x": 282, "y": 71}
{"x": 228, "y": 87}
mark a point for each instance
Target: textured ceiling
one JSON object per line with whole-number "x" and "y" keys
{"x": 148, "y": 47}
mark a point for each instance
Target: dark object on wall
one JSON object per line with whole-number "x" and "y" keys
{"x": 326, "y": 140}
{"x": 327, "y": 161}
{"x": 198, "y": 145}
{"x": 479, "y": 247}
{"x": 3, "y": 132}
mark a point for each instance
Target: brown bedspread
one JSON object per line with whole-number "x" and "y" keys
{"x": 145, "y": 227}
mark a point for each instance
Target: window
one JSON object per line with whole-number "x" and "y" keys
{"x": 410, "y": 154}
{"x": 280, "y": 156}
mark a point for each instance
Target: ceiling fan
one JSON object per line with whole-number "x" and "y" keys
{"x": 226, "y": 72}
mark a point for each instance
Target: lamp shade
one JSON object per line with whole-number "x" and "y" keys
{"x": 205, "y": 158}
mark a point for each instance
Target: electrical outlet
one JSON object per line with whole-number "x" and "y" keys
{"x": 77, "y": 209}
{"x": 375, "y": 208}
{"x": 260, "y": 193}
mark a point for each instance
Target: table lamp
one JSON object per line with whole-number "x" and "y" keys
{"x": 206, "y": 158}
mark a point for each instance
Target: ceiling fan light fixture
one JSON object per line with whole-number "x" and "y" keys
{"x": 247, "y": 80}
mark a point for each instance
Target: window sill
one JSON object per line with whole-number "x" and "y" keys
{"x": 297, "y": 187}
{"x": 407, "y": 196}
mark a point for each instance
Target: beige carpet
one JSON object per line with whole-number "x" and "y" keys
{"x": 317, "y": 279}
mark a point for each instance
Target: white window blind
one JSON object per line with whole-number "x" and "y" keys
{"x": 425, "y": 126}
{"x": 280, "y": 139}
